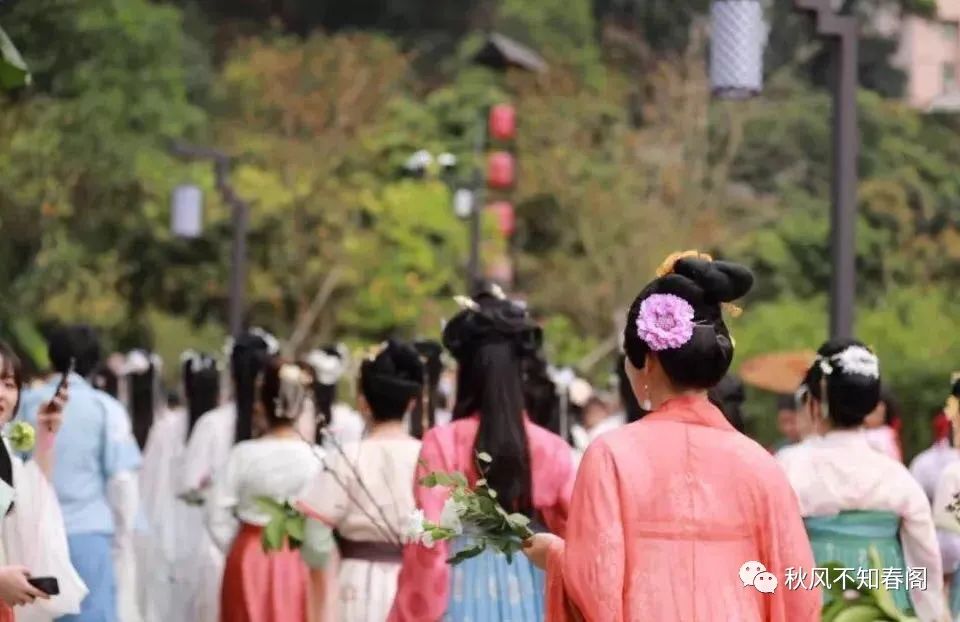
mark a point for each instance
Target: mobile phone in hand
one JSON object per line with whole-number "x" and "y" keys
{"x": 47, "y": 585}
{"x": 66, "y": 377}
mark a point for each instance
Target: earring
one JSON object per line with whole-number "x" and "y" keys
{"x": 646, "y": 404}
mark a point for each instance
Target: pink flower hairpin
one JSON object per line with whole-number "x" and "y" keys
{"x": 665, "y": 322}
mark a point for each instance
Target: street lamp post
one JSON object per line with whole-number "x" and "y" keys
{"x": 736, "y": 61}
{"x": 240, "y": 211}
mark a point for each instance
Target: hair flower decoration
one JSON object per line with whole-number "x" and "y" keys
{"x": 665, "y": 322}
{"x": 858, "y": 360}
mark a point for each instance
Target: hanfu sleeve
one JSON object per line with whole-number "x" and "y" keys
{"x": 563, "y": 477}
{"x": 424, "y": 581}
{"x": 585, "y": 572}
{"x": 224, "y": 498}
{"x": 921, "y": 549}
{"x": 785, "y": 549}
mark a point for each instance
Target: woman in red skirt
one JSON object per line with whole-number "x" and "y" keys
{"x": 260, "y": 586}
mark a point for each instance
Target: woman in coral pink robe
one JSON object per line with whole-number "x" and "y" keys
{"x": 666, "y": 511}
{"x": 424, "y": 583}
{"x": 531, "y": 470}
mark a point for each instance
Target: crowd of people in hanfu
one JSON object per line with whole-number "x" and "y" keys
{"x": 468, "y": 480}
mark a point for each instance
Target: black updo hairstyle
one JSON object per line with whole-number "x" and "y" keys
{"x": 142, "y": 397}
{"x": 728, "y": 395}
{"x": 391, "y": 379}
{"x": 281, "y": 400}
{"x": 489, "y": 339}
{"x": 248, "y": 358}
{"x": 850, "y": 396}
{"x": 540, "y": 394}
{"x": 701, "y": 362}
{"x": 201, "y": 386}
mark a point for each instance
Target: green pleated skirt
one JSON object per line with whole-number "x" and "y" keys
{"x": 846, "y": 539}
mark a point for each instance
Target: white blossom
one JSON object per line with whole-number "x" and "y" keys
{"x": 427, "y": 539}
{"x": 413, "y": 529}
{"x": 858, "y": 360}
{"x": 450, "y": 516}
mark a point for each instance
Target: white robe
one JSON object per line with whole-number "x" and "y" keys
{"x": 206, "y": 454}
{"x": 168, "y": 556}
{"x": 841, "y": 471}
{"x": 34, "y": 537}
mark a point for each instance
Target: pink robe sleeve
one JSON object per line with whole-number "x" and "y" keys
{"x": 424, "y": 576}
{"x": 786, "y": 548}
{"x": 555, "y": 515}
{"x": 585, "y": 572}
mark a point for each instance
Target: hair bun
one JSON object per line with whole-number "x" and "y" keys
{"x": 721, "y": 281}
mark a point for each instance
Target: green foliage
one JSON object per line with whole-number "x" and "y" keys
{"x": 285, "y": 528}
{"x": 13, "y": 71}
{"x": 870, "y": 604}
{"x": 478, "y": 516}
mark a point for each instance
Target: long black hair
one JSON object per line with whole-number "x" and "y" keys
{"x": 248, "y": 358}
{"x": 106, "y": 380}
{"x": 201, "y": 386}
{"x": 489, "y": 339}
{"x": 540, "y": 394}
{"x": 141, "y": 387}
{"x": 424, "y": 411}
{"x": 328, "y": 365}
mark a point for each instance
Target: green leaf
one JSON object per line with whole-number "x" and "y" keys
{"x": 295, "y": 527}
{"x": 271, "y": 507}
{"x": 13, "y": 71}
{"x": 519, "y": 520}
{"x": 459, "y": 479}
{"x": 274, "y": 535}
{"x": 429, "y": 480}
{"x": 466, "y": 554}
{"x": 484, "y": 457}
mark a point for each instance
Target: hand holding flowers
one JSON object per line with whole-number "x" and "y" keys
{"x": 469, "y": 511}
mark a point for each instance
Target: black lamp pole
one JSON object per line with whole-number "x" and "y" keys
{"x": 842, "y": 32}
{"x": 736, "y": 72}
{"x": 240, "y": 211}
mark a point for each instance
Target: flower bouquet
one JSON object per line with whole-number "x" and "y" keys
{"x": 469, "y": 511}
{"x": 864, "y": 604}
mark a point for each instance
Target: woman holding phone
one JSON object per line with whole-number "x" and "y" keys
{"x": 33, "y": 538}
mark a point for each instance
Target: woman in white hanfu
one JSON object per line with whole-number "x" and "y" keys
{"x": 208, "y": 448}
{"x": 33, "y": 534}
{"x": 342, "y": 423}
{"x": 171, "y": 573}
{"x": 365, "y": 493}
{"x": 854, "y": 497}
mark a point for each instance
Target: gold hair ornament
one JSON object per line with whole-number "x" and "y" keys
{"x": 668, "y": 265}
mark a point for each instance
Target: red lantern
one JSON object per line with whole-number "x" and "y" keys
{"x": 506, "y": 217}
{"x": 500, "y": 169}
{"x": 503, "y": 122}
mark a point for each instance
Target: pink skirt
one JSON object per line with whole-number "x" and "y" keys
{"x": 263, "y": 587}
